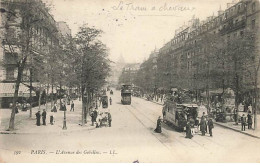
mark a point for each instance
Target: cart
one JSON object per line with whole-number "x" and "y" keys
{"x": 104, "y": 119}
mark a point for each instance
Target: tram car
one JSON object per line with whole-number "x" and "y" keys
{"x": 126, "y": 94}
{"x": 177, "y": 114}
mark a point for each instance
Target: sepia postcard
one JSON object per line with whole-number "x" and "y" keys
{"x": 129, "y": 81}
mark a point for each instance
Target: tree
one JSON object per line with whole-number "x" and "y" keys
{"x": 91, "y": 64}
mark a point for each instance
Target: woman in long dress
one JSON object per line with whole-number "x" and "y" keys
{"x": 159, "y": 125}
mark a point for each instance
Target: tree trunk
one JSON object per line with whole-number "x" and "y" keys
{"x": 83, "y": 105}
{"x": 17, "y": 84}
{"x": 40, "y": 98}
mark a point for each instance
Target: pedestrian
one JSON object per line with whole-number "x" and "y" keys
{"x": 72, "y": 106}
{"x": 109, "y": 118}
{"x": 95, "y": 113}
{"x": 158, "y": 126}
{"x": 188, "y": 130}
{"x": 38, "y": 118}
{"x": 44, "y": 117}
{"x": 249, "y": 120}
{"x": 203, "y": 126}
{"x": 211, "y": 126}
{"x": 110, "y": 100}
{"x": 243, "y": 122}
{"x": 92, "y": 117}
{"x": 51, "y": 119}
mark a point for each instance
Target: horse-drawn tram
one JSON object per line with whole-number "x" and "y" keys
{"x": 126, "y": 94}
{"x": 178, "y": 114}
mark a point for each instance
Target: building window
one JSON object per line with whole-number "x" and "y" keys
{"x": 253, "y": 24}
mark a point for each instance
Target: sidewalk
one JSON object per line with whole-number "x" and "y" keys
{"x": 26, "y": 125}
{"x": 230, "y": 125}
{"x": 237, "y": 128}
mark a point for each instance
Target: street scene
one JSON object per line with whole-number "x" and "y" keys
{"x": 129, "y": 81}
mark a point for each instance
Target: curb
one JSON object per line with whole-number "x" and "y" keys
{"x": 251, "y": 135}
{"x": 58, "y": 132}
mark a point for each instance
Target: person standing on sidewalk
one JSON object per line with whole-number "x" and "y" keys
{"x": 203, "y": 126}
{"x": 249, "y": 120}
{"x": 243, "y": 122}
{"x": 38, "y": 118}
{"x": 72, "y": 106}
{"x": 44, "y": 117}
{"x": 211, "y": 126}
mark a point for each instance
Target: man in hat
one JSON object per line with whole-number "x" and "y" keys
{"x": 44, "y": 117}
{"x": 243, "y": 122}
{"x": 38, "y": 118}
{"x": 203, "y": 126}
{"x": 211, "y": 126}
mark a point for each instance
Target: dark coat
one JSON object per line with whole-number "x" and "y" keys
{"x": 203, "y": 125}
{"x": 210, "y": 124}
{"x": 249, "y": 119}
{"x": 44, "y": 115}
{"x": 158, "y": 126}
{"x": 38, "y": 118}
{"x": 188, "y": 130}
{"x": 243, "y": 119}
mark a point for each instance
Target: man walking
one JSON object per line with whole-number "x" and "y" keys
{"x": 72, "y": 106}
{"x": 38, "y": 118}
{"x": 44, "y": 117}
{"x": 211, "y": 126}
{"x": 243, "y": 122}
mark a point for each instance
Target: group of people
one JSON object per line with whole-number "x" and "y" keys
{"x": 204, "y": 124}
{"x": 97, "y": 118}
{"x": 43, "y": 115}
{"x": 247, "y": 120}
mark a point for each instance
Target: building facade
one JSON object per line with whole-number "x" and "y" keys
{"x": 190, "y": 57}
{"x": 26, "y": 25}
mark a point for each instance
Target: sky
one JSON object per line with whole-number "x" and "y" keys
{"x": 133, "y": 28}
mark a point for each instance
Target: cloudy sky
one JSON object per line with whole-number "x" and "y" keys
{"x": 133, "y": 28}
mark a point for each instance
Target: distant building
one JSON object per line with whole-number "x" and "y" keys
{"x": 129, "y": 72}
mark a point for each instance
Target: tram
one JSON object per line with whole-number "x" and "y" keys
{"x": 126, "y": 94}
{"x": 177, "y": 114}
